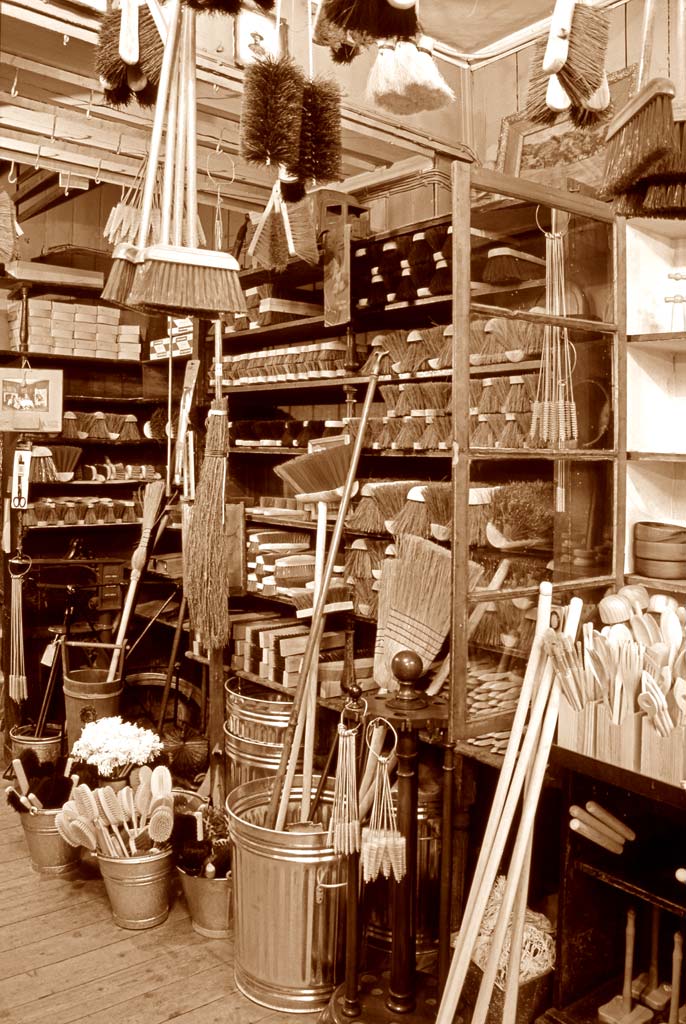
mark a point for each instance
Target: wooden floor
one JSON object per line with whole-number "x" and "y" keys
{"x": 63, "y": 959}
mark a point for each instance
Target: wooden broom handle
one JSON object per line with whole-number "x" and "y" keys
{"x": 191, "y": 131}
{"x": 179, "y": 201}
{"x": 168, "y": 60}
{"x": 314, "y": 635}
{"x": 169, "y": 161}
{"x": 647, "y": 37}
{"x": 678, "y": 68}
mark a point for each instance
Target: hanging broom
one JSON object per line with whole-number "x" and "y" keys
{"x": 642, "y": 133}
{"x": 184, "y": 277}
{"x": 126, "y": 257}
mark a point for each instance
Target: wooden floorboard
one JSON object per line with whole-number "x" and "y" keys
{"x": 63, "y": 960}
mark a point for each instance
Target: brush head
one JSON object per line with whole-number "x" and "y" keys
{"x": 215, "y": 6}
{"x": 345, "y": 53}
{"x": 271, "y": 111}
{"x": 378, "y": 20}
{"x": 320, "y": 147}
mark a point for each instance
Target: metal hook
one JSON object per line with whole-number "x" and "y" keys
{"x": 37, "y": 161}
{"x": 12, "y": 176}
{"x": 213, "y": 180}
{"x": 218, "y": 148}
{"x": 14, "y": 91}
{"x": 97, "y": 179}
{"x": 54, "y": 127}
{"x": 66, "y": 187}
{"x": 90, "y": 104}
{"x": 65, "y": 39}
{"x": 118, "y": 149}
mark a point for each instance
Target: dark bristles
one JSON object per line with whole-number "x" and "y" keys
{"x": 292, "y": 191}
{"x": 265, "y": 5}
{"x": 15, "y": 803}
{"x": 271, "y": 111}
{"x": 374, "y": 18}
{"x": 221, "y": 858}
{"x": 582, "y": 117}
{"x": 436, "y": 236}
{"x": 215, "y": 6}
{"x": 389, "y": 263}
{"x": 319, "y": 157}
{"x": 31, "y": 763}
{"x": 184, "y": 830}
{"x": 582, "y": 72}
{"x": 345, "y": 53}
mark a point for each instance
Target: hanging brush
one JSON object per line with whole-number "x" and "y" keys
{"x": 429, "y": 89}
{"x": 18, "y": 566}
{"x": 374, "y": 19}
{"x": 344, "y": 823}
{"x": 643, "y": 131}
{"x": 271, "y": 111}
{"x": 320, "y": 146}
{"x": 438, "y": 499}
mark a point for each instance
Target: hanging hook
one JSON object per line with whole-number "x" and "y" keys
{"x": 65, "y": 39}
{"x": 218, "y": 148}
{"x": 12, "y": 176}
{"x": 97, "y": 179}
{"x": 118, "y": 149}
{"x": 14, "y": 91}
{"x": 66, "y": 187}
{"x": 54, "y": 128}
{"x": 213, "y": 180}
{"x": 90, "y": 104}
{"x": 37, "y": 160}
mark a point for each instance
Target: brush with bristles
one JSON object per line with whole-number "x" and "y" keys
{"x": 271, "y": 111}
{"x": 378, "y": 343}
{"x": 523, "y": 509}
{"x": 517, "y": 399}
{"x": 416, "y": 594}
{"x": 294, "y": 570}
{"x": 70, "y": 428}
{"x": 432, "y": 434}
{"x": 318, "y": 472}
{"x": 512, "y": 436}
{"x": 414, "y": 517}
{"x": 438, "y": 499}
{"x": 96, "y": 426}
{"x": 420, "y": 258}
{"x": 365, "y": 599}
{"x": 372, "y": 20}
{"x": 42, "y": 468}
{"x": 443, "y": 360}
{"x": 181, "y": 276}
{"x": 358, "y": 561}
{"x": 338, "y": 599}
{"x": 441, "y": 280}
{"x": 366, "y": 517}
{"x": 65, "y": 457}
{"x": 390, "y": 263}
{"x": 422, "y": 346}
{"x": 406, "y": 395}
{"x": 391, "y": 429}
{"x": 643, "y": 131}
{"x": 489, "y": 627}
{"x": 320, "y": 148}
{"x": 482, "y": 435}
{"x": 493, "y": 394}
{"x": 390, "y": 394}
{"x": 411, "y": 430}
{"x": 129, "y": 429}
{"x": 389, "y": 495}
{"x": 505, "y": 265}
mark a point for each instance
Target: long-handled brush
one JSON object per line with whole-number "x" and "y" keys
{"x": 279, "y": 794}
{"x": 126, "y": 257}
{"x": 184, "y": 277}
{"x": 641, "y": 133}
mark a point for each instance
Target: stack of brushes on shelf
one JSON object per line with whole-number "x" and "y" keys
{"x": 379, "y": 503}
{"x": 500, "y": 411}
{"x": 363, "y": 561}
{"x": 402, "y": 269}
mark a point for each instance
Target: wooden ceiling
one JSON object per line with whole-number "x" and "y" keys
{"x": 469, "y": 26}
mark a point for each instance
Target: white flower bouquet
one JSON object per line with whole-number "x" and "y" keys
{"x": 114, "y": 746}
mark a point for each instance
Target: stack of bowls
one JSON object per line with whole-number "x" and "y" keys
{"x": 660, "y": 551}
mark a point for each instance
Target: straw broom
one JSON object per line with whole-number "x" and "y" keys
{"x": 153, "y": 498}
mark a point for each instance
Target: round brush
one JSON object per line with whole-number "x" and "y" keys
{"x": 66, "y": 830}
{"x": 160, "y": 781}
{"x": 112, "y": 813}
{"x": 141, "y": 799}
{"x": 81, "y": 831}
{"x": 160, "y": 825}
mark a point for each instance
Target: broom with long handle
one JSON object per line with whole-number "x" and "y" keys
{"x": 505, "y": 798}
{"x": 152, "y": 503}
{"x": 522, "y": 842}
{"x": 125, "y": 256}
{"x": 311, "y": 699}
{"x": 314, "y": 637}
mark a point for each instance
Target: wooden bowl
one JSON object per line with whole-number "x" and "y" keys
{"x": 659, "y": 533}
{"x": 660, "y": 551}
{"x": 660, "y": 570}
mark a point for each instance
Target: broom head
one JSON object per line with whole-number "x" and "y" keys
{"x": 125, "y": 259}
{"x": 641, "y": 134}
{"x": 176, "y": 278}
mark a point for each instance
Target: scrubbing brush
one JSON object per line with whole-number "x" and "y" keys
{"x": 505, "y": 265}
{"x": 414, "y": 518}
{"x": 271, "y": 111}
{"x": 372, "y": 19}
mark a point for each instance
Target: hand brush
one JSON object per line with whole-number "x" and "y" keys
{"x": 377, "y": 19}
{"x": 643, "y": 132}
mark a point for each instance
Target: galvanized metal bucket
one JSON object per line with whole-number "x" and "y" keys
{"x": 138, "y": 888}
{"x": 47, "y": 748}
{"x": 252, "y": 713}
{"x": 248, "y": 759}
{"x": 49, "y": 853}
{"x": 209, "y": 904}
{"x": 289, "y": 904}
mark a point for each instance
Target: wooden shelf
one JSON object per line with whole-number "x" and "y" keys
{"x": 656, "y": 456}
{"x": 300, "y": 385}
{"x": 297, "y": 272}
{"x": 83, "y": 526}
{"x": 100, "y": 441}
{"x": 275, "y": 451}
{"x": 672, "y": 586}
{"x": 669, "y": 343}
{"x": 658, "y": 888}
{"x": 10, "y": 356}
{"x": 312, "y": 328}
{"x": 643, "y": 785}
{"x": 568, "y": 454}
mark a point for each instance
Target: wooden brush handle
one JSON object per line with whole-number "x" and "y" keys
{"x": 647, "y": 37}
{"x": 595, "y": 836}
{"x": 191, "y": 133}
{"x": 596, "y": 824}
{"x": 128, "y": 31}
{"x": 609, "y": 819}
{"x": 168, "y": 60}
{"x": 678, "y": 69}
{"x": 179, "y": 201}
{"x": 677, "y": 959}
{"x": 629, "y": 943}
{"x": 169, "y": 161}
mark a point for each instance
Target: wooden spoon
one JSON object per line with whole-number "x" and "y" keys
{"x": 640, "y": 630}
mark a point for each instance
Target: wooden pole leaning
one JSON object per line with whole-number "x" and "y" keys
{"x": 314, "y": 637}
{"x": 509, "y": 782}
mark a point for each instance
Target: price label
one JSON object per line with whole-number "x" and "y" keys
{"x": 49, "y": 654}
{"x": 21, "y": 469}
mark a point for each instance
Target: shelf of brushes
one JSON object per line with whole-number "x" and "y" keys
{"x": 568, "y": 454}
{"x": 80, "y": 441}
{"x": 82, "y": 526}
{"x": 317, "y": 383}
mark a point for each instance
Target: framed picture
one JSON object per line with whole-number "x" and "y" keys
{"x": 255, "y": 35}
{"x": 31, "y": 400}
{"x": 553, "y": 153}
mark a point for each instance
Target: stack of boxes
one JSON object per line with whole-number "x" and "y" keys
{"x": 271, "y": 648}
{"x": 74, "y": 329}
{"x": 179, "y": 338}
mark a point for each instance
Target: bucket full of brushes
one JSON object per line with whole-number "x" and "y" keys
{"x": 289, "y": 902}
{"x": 253, "y": 731}
{"x": 50, "y": 854}
{"x": 138, "y": 888}
{"x": 88, "y": 693}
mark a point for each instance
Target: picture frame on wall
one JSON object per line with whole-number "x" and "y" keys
{"x": 256, "y": 35}
{"x": 554, "y": 153}
{"x": 31, "y": 400}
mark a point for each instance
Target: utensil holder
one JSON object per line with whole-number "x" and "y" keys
{"x": 618, "y": 744}
{"x": 663, "y": 757}
{"x": 576, "y": 729}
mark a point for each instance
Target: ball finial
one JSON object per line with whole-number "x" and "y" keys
{"x": 406, "y": 666}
